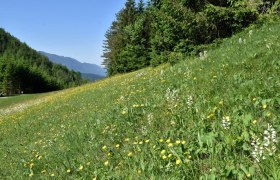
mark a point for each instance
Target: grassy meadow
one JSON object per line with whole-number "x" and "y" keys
{"x": 208, "y": 117}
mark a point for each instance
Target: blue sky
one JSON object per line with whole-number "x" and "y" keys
{"x": 72, "y": 28}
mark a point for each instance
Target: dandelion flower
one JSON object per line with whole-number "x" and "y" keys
{"x": 255, "y": 122}
{"x": 168, "y": 141}
{"x": 147, "y": 141}
{"x": 161, "y": 140}
{"x": 81, "y": 167}
{"x": 104, "y": 147}
{"x": 94, "y": 178}
{"x": 31, "y": 174}
{"x": 178, "y": 142}
{"x": 117, "y": 146}
{"x": 170, "y": 145}
{"x": 129, "y": 154}
{"x": 169, "y": 155}
{"x": 178, "y": 161}
{"x": 106, "y": 163}
{"x": 52, "y": 175}
{"x": 163, "y": 152}
{"x": 141, "y": 142}
{"x": 264, "y": 106}
{"x": 68, "y": 171}
{"x": 164, "y": 157}
{"x": 183, "y": 142}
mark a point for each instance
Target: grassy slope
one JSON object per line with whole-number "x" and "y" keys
{"x": 5, "y": 102}
{"x": 119, "y": 127}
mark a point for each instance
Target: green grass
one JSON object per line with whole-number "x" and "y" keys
{"x": 13, "y": 100}
{"x": 194, "y": 120}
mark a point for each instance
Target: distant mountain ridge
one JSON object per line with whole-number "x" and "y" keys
{"x": 71, "y": 63}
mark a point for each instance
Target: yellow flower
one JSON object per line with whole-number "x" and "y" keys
{"x": 43, "y": 171}
{"x": 88, "y": 163}
{"x": 117, "y": 146}
{"x": 94, "y": 178}
{"x": 31, "y": 165}
{"x": 178, "y": 161}
{"x": 81, "y": 167}
{"x": 168, "y": 141}
{"x": 147, "y": 141}
{"x": 129, "y": 154}
{"x": 255, "y": 122}
{"x": 163, "y": 152}
{"x": 127, "y": 139}
{"x": 248, "y": 175}
{"x": 104, "y": 147}
{"x": 170, "y": 145}
{"x": 106, "y": 163}
{"x": 254, "y": 99}
{"x": 178, "y": 142}
{"x": 109, "y": 154}
{"x": 264, "y": 106}
{"x": 141, "y": 142}
{"x": 31, "y": 174}
{"x": 169, "y": 155}
{"x": 183, "y": 142}
{"x": 68, "y": 171}
{"x": 221, "y": 102}
{"x": 164, "y": 157}
{"x": 161, "y": 140}
{"x": 52, "y": 175}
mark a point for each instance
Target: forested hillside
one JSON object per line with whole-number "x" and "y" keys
{"x": 22, "y": 69}
{"x": 169, "y": 30}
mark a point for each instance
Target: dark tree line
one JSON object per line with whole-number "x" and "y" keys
{"x": 23, "y": 69}
{"x": 167, "y": 30}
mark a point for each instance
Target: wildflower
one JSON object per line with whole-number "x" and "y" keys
{"x": 178, "y": 142}
{"x": 221, "y": 102}
{"x": 94, "y": 178}
{"x": 106, "y": 163}
{"x": 164, "y": 157}
{"x": 163, "y": 152}
{"x": 248, "y": 175}
{"x": 126, "y": 140}
{"x": 129, "y": 154}
{"x": 178, "y": 161}
{"x": 172, "y": 123}
{"x": 257, "y": 152}
{"x": 169, "y": 155}
{"x": 264, "y": 106}
{"x": 81, "y": 167}
{"x": 183, "y": 142}
{"x": 117, "y": 145}
{"x": 250, "y": 33}
{"x": 52, "y": 175}
{"x": 141, "y": 142}
{"x": 161, "y": 140}
{"x": 168, "y": 141}
{"x": 254, "y": 99}
{"x": 147, "y": 141}
{"x": 43, "y": 171}
{"x": 88, "y": 163}
{"x": 31, "y": 165}
{"x": 270, "y": 140}
{"x": 109, "y": 154}
{"x": 190, "y": 101}
{"x": 31, "y": 174}
{"x": 203, "y": 55}
{"x": 170, "y": 145}
{"x": 226, "y": 122}
{"x": 68, "y": 171}
{"x": 240, "y": 40}
{"x": 255, "y": 122}
{"x": 104, "y": 147}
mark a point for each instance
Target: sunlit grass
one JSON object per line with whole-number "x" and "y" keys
{"x": 196, "y": 119}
